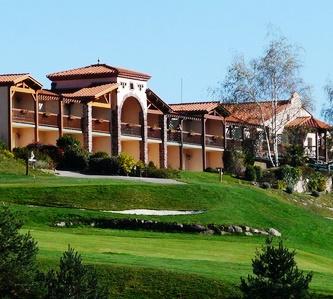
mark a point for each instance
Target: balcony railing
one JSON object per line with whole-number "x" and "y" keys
{"x": 101, "y": 125}
{"x": 174, "y": 136}
{"x": 131, "y": 129}
{"x": 72, "y": 122}
{"x": 213, "y": 140}
{"x": 22, "y": 115}
{"x": 193, "y": 138}
{"x": 154, "y": 133}
{"x": 48, "y": 119}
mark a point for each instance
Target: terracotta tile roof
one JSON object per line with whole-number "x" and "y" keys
{"x": 308, "y": 122}
{"x": 97, "y": 71}
{"x": 11, "y": 78}
{"x": 195, "y": 107}
{"x": 158, "y": 102}
{"x": 250, "y": 112}
{"x": 92, "y": 92}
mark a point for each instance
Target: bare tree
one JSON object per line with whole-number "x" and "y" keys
{"x": 327, "y": 111}
{"x": 271, "y": 77}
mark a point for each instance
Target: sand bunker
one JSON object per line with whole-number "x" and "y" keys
{"x": 155, "y": 212}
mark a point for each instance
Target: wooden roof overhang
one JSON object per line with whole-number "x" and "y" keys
{"x": 156, "y": 105}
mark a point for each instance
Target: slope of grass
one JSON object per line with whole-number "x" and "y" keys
{"x": 217, "y": 258}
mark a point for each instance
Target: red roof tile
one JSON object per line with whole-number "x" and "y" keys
{"x": 11, "y": 78}
{"x": 97, "y": 71}
{"x": 92, "y": 92}
{"x": 308, "y": 122}
{"x": 195, "y": 107}
{"x": 251, "y": 112}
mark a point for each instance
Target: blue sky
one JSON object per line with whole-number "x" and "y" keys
{"x": 194, "y": 40}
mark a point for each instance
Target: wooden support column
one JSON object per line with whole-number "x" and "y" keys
{"x": 317, "y": 147}
{"x": 163, "y": 145}
{"x": 116, "y": 130}
{"x": 36, "y": 116}
{"x": 181, "y": 147}
{"x": 144, "y": 137}
{"x": 203, "y": 143}
{"x": 326, "y": 148}
{"x": 61, "y": 117}
{"x": 10, "y": 119}
{"x": 87, "y": 126}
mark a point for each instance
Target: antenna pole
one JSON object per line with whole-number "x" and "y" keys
{"x": 181, "y": 90}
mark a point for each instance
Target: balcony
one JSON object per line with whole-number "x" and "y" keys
{"x": 23, "y": 116}
{"x": 128, "y": 129}
{"x": 214, "y": 141}
{"x": 101, "y": 125}
{"x": 192, "y": 138}
{"x": 72, "y": 122}
{"x": 154, "y": 133}
{"x": 48, "y": 119}
{"x": 174, "y": 136}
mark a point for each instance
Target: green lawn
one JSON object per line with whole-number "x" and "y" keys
{"x": 43, "y": 199}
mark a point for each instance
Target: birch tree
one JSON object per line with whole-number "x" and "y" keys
{"x": 273, "y": 76}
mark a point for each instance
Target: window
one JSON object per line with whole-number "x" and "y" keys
{"x": 131, "y": 86}
{"x": 140, "y": 86}
{"x": 41, "y": 107}
{"x": 123, "y": 84}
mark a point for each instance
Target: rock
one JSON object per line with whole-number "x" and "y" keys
{"x": 92, "y": 224}
{"x": 264, "y": 233}
{"x": 248, "y": 234}
{"x": 61, "y": 224}
{"x": 231, "y": 229}
{"x": 208, "y": 232}
{"x": 198, "y": 227}
{"x": 247, "y": 229}
{"x": 238, "y": 229}
{"x": 274, "y": 232}
{"x": 254, "y": 230}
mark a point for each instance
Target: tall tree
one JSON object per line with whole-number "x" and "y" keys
{"x": 327, "y": 111}
{"x": 18, "y": 267}
{"x": 273, "y": 76}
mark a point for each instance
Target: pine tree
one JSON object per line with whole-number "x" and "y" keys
{"x": 73, "y": 280}
{"x": 276, "y": 275}
{"x": 18, "y": 267}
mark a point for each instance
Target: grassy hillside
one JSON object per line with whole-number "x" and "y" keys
{"x": 213, "y": 261}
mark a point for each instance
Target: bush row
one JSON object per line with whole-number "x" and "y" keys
{"x": 69, "y": 155}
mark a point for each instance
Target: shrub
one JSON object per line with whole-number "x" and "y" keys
{"x": 68, "y": 141}
{"x": 289, "y": 189}
{"x": 3, "y": 146}
{"x": 211, "y": 170}
{"x": 126, "y": 163}
{"x": 7, "y": 154}
{"x": 268, "y": 176}
{"x": 99, "y": 155}
{"x": 290, "y": 175}
{"x": 18, "y": 264}
{"x": 21, "y": 153}
{"x": 295, "y": 155}
{"x": 250, "y": 173}
{"x": 109, "y": 166}
{"x": 75, "y": 159}
{"x": 258, "y": 171}
{"x": 276, "y": 275}
{"x": 265, "y": 185}
{"x": 163, "y": 173}
{"x": 317, "y": 182}
{"x": 281, "y": 185}
{"x": 73, "y": 279}
{"x": 234, "y": 162}
{"x": 315, "y": 193}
